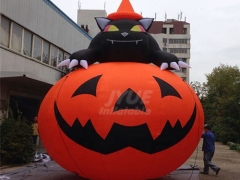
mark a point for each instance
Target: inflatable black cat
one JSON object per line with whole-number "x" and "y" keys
{"x": 124, "y": 40}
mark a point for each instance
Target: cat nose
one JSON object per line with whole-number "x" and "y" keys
{"x": 124, "y": 34}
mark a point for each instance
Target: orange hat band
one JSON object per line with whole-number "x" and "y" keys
{"x": 124, "y": 15}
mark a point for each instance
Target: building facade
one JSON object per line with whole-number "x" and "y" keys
{"x": 35, "y": 36}
{"x": 173, "y": 36}
{"x": 86, "y": 20}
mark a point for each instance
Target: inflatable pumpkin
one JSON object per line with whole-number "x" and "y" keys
{"x": 120, "y": 121}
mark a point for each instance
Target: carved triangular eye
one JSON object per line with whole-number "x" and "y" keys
{"x": 89, "y": 87}
{"x": 166, "y": 89}
{"x": 129, "y": 100}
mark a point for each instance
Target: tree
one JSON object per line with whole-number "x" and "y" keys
{"x": 199, "y": 88}
{"x": 221, "y": 106}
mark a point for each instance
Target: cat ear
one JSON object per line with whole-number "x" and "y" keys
{"x": 146, "y": 23}
{"x": 102, "y": 22}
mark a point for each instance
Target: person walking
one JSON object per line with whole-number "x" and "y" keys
{"x": 208, "y": 149}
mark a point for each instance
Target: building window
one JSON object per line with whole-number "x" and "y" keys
{"x": 184, "y": 30}
{"x": 184, "y": 78}
{"x": 165, "y": 49}
{"x": 184, "y": 60}
{"x": 16, "y": 37}
{"x": 37, "y": 48}
{"x": 178, "y": 50}
{"x": 60, "y": 57}
{"x": 5, "y": 31}
{"x": 54, "y": 51}
{"x": 66, "y": 55}
{"x": 27, "y": 44}
{"x": 177, "y": 41}
{"x": 171, "y": 31}
{"x": 164, "y": 30}
{"x": 45, "y": 55}
{"x": 164, "y": 40}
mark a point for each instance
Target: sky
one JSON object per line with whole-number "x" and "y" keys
{"x": 214, "y": 27}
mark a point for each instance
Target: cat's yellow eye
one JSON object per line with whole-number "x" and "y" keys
{"x": 138, "y": 28}
{"x": 110, "y": 28}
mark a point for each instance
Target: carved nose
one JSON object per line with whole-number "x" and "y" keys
{"x": 129, "y": 100}
{"x": 124, "y": 34}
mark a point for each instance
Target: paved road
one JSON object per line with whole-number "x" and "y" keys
{"x": 52, "y": 171}
{"x": 228, "y": 160}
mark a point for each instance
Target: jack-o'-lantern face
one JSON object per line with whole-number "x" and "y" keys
{"x": 121, "y": 110}
{"x": 122, "y": 136}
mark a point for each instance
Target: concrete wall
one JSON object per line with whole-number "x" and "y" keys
{"x": 14, "y": 65}
{"x": 87, "y": 17}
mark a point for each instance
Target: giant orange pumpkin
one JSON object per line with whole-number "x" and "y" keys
{"x": 120, "y": 121}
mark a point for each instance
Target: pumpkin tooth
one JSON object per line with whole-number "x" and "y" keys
{"x": 164, "y": 66}
{"x": 84, "y": 64}
{"x": 64, "y": 63}
{"x": 102, "y": 129}
{"x": 73, "y": 63}
{"x": 154, "y": 129}
{"x": 183, "y": 64}
{"x": 174, "y": 65}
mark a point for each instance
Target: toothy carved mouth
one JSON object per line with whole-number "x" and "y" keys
{"x": 120, "y": 137}
{"x": 135, "y": 41}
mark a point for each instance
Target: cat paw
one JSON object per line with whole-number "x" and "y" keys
{"x": 73, "y": 63}
{"x": 174, "y": 65}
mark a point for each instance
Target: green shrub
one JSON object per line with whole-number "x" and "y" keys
{"x": 233, "y": 146}
{"x": 16, "y": 144}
